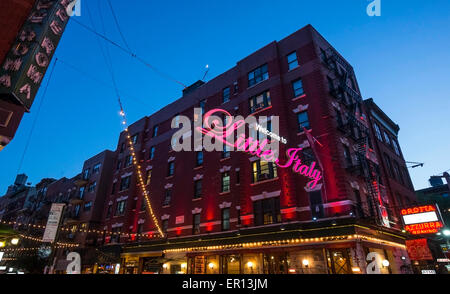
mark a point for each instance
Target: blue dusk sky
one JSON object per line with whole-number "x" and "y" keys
{"x": 401, "y": 59}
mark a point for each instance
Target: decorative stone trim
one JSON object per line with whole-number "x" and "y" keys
{"x": 171, "y": 159}
{"x": 117, "y": 225}
{"x": 354, "y": 185}
{"x": 338, "y": 203}
{"x": 126, "y": 175}
{"x": 141, "y": 221}
{"x": 238, "y": 207}
{"x": 115, "y": 181}
{"x": 149, "y": 167}
{"x": 110, "y": 203}
{"x": 122, "y": 198}
{"x": 266, "y": 195}
{"x": 196, "y": 210}
{"x": 300, "y": 108}
{"x": 225, "y": 169}
{"x": 304, "y": 145}
{"x": 318, "y": 187}
{"x": 225, "y": 205}
{"x": 168, "y": 186}
{"x": 165, "y": 217}
{"x": 336, "y": 105}
{"x": 198, "y": 177}
{"x": 237, "y": 169}
{"x": 253, "y": 159}
{"x": 345, "y": 141}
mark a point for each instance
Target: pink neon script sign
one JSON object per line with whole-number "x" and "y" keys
{"x": 256, "y": 148}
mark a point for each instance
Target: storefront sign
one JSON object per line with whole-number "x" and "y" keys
{"x": 1, "y": 255}
{"x": 444, "y": 248}
{"x": 74, "y": 267}
{"x": 53, "y": 221}
{"x": 418, "y": 249}
{"x": 422, "y": 220}
{"x": 26, "y": 63}
{"x": 428, "y": 272}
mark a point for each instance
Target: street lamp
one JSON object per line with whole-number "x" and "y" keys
{"x": 446, "y": 232}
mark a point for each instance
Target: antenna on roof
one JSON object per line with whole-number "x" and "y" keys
{"x": 207, "y": 70}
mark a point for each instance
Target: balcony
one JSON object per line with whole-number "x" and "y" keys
{"x": 76, "y": 198}
{"x": 71, "y": 218}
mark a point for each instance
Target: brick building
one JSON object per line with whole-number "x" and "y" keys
{"x": 229, "y": 212}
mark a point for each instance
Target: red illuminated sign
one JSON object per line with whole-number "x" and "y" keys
{"x": 420, "y": 220}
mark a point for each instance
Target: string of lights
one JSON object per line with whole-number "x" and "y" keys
{"x": 287, "y": 242}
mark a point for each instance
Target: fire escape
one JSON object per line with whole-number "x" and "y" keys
{"x": 355, "y": 127}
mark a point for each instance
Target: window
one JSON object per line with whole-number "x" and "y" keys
{"x": 297, "y": 87}
{"x": 225, "y": 182}
{"x": 148, "y": 177}
{"x": 108, "y": 211}
{"x": 202, "y": 105}
{"x": 323, "y": 55}
{"x": 347, "y": 156}
{"x": 196, "y": 224}
{"x": 258, "y": 75}
{"x": 119, "y": 164}
{"x": 171, "y": 169}
{"x": 226, "y": 95}
{"x": 303, "y": 121}
{"x": 263, "y": 170}
{"x": 86, "y": 174}
{"x": 267, "y": 211}
{"x": 389, "y": 165}
{"x": 199, "y": 158}
{"x": 292, "y": 60}
{"x": 260, "y": 101}
{"x": 235, "y": 88}
{"x": 165, "y": 225}
{"x": 225, "y": 219}
{"x": 143, "y": 205}
{"x": 197, "y": 189}
{"x": 92, "y": 187}
{"x": 88, "y": 206}
{"x": 113, "y": 190}
{"x": 122, "y": 147}
{"x": 120, "y": 208}
{"x": 397, "y": 172}
{"x": 330, "y": 84}
{"x": 128, "y": 160}
{"x": 238, "y": 177}
{"x": 134, "y": 139}
{"x": 96, "y": 168}
{"x": 386, "y": 138}
{"x": 140, "y": 228}
{"x": 167, "y": 197}
{"x": 151, "y": 153}
{"x": 125, "y": 183}
{"x": 377, "y": 132}
{"x": 396, "y": 147}
{"x": 81, "y": 192}
{"x": 339, "y": 120}
{"x": 226, "y": 153}
{"x": 155, "y": 131}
